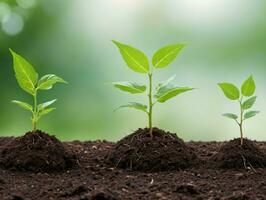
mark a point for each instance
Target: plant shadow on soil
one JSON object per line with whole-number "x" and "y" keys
{"x": 36, "y": 151}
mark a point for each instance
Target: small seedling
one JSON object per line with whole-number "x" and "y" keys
{"x": 137, "y": 61}
{"x": 233, "y": 93}
{"x": 27, "y": 79}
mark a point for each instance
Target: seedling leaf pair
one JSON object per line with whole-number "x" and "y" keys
{"x": 134, "y": 105}
{"x": 233, "y": 93}
{"x": 166, "y": 55}
{"x": 168, "y": 91}
{"x": 131, "y": 87}
{"x": 230, "y": 91}
{"x": 249, "y": 103}
{"x": 230, "y": 115}
{"x": 134, "y": 58}
{"x": 47, "y": 81}
{"x": 27, "y": 79}
{"x": 248, "y": 87}
{"x": 25, "y": 73}
{"x": 24, "y": 105}
{"x": 137, "y": 61}
{"x": 250, "y": 114}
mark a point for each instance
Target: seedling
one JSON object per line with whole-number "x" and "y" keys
{"x": 27, "y": 79}
{"x": 137, "y": 61}
{"x": 233, "y": 93}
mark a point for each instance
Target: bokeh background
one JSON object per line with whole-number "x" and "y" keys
{"x": 226, "y": 42}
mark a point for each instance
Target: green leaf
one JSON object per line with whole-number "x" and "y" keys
{"x": 230, "y": 91}
{"x": 230, "y": 115}
{"x": 169, "y": 91}
{"x": 25, "y": 73}
{"x": 24, "y": 105}
{"x": 165, "y": 55}
{"x": 131, "y": 87}
{"x": 47, "y": 81}
{"x": 134, "y": 105}
{"x": 45, "y": 111}
{"x": 165, "y": 83}
{"x": 250, "y": 114}
{"x": 46, "y": 104}
{"x": 249, "y": 103}
{"x": 134, "y": 58}
{"x": 248, "y": 87}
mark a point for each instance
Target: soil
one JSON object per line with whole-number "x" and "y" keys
{"x": 162, "y": 152}
{"x": 234, "y": 156}
{"x": 94, "y": 179}
{"x": 36, "y": 151}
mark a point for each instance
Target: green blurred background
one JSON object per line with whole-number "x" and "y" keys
{"x": 227, "y": 42}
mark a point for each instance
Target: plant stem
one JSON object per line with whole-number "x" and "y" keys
{"x": 150, "y": 103}
{"x": 35, "y": 112}
{"x": 241, "y": 122}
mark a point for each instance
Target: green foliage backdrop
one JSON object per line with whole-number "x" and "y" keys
{"x": 226, "y": 41}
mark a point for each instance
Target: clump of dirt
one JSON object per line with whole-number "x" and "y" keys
{"x": 102, "y": 196}
{"x": 36, "y": 151}
{"x": 165, "y": 151}
{"x": 234, "y": 156}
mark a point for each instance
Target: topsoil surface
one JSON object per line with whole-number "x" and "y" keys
{"x": 234, "y": 156}
{"x": 92, "y": 178}
{"x": 36, "y": 151}
{"x": 164, "y": 151}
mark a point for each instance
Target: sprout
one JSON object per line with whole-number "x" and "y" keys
{"x": 137, "y": 61}
{"x": 28, "y": 80}
{"x": 232, "y": 92}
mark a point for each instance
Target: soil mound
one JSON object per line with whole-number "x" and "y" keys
{"x": 36, "y": 151}
{"x": 140, "y": 152}
{"x": 234, "y": 156}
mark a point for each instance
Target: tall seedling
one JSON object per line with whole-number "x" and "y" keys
{"x": 28, "y": 80}
{"x": 233, "y": 93}
{"x": 137, "y": 61}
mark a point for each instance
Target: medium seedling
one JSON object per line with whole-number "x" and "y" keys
{"x": 27, "y": 79}
{"x": 233, "y": 93}
{"x": 137, "y": 61}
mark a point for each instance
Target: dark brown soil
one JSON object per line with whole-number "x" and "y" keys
{"x": 234, "y": 156}
{"x": 95, "y": 180}
{"x": 36, "y": 151}
{"x": 163, "y": 152}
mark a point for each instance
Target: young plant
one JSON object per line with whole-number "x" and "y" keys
{"x": 233, "y": 93}
{"x": 28, "y": 80}
{"x": 137, "y": 61}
